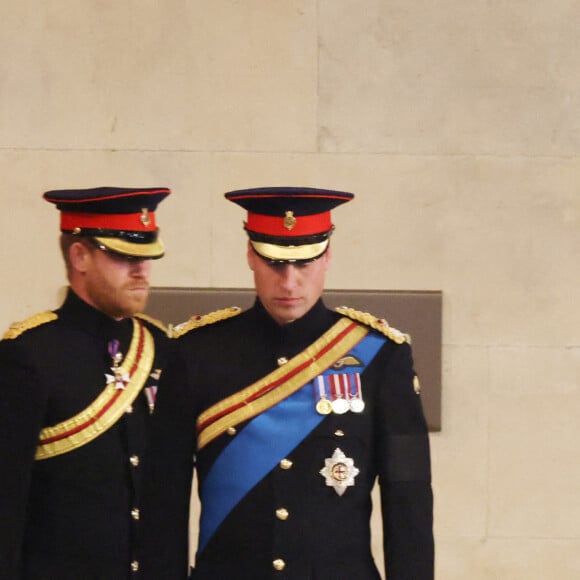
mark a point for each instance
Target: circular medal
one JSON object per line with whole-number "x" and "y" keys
{"x": 323, "y": 407}
{"x": 340, "y": 406}
{"x": 357, "y": 405}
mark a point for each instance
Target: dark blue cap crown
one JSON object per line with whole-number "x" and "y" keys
{"x": 119, "y": 219}
{"x": 276, "y": 201}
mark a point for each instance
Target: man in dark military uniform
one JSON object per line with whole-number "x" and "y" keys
{"x": 291, "y": 411}
{"x": 77, "y": 387}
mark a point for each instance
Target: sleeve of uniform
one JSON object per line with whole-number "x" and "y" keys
{"x": 404, "y": 471}
{"x": 22, "y": 405}
{"x": 168, "y": 475}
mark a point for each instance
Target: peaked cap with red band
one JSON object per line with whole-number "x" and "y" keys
{"x": 289, "y": 224}
{"x": 118, "y": 219}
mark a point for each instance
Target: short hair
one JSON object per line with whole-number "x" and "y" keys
{"x": 66, "y": 241}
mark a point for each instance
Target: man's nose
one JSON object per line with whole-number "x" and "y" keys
{"x": 140, "y": 267}
{"x": 290, "y": 275}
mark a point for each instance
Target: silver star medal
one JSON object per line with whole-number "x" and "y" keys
{"x": 339, "y": 471}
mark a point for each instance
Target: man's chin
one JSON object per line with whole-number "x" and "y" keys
{"x": 135, "y": 306}
{"x": 286, "y": 315}
{"x": 139, "y": 306}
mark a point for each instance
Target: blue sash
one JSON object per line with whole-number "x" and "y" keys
{"x": 260, "y": 446}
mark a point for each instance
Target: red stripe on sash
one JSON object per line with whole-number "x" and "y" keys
{"x": 109, "y": 403}
{"x": 273, "y": 385}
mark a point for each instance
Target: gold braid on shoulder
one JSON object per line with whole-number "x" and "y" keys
{"x": 155, "y": 322}
{"x": 379, "y": 324}
{"x": 203, "y": 320}
{"x": 18, "y": 328}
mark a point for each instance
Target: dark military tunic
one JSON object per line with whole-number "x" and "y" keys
{"x": 73, "y": 516}
{"x": 291, "y": 525}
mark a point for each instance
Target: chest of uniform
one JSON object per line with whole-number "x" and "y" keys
{"x": 73, "y": 380}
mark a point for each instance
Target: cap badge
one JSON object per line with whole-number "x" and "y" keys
{"x": 289, "y": 220}
{"x": 339, "y": 471}
{"x": 145, "y": 220}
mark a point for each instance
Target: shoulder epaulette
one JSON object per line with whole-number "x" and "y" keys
{"x": 379, "y": 324}
{"x": 155, "y": 322}
{"x": 17, "y": 328}
{"x": 203, "y": 320}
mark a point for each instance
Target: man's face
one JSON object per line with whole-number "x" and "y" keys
{"x": 114, "y": 284}
{"x": 288, "y": 291}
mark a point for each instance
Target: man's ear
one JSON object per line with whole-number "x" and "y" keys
{"x": 327, "y": 257}
{"x": 79, "y": 256}
{"x": 250, "y": 256}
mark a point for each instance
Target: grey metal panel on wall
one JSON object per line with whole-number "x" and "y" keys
{"x": 415, "y": 312}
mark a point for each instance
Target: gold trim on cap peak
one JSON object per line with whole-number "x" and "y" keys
{"x": 150, "y": 250}
{"x": 287, "y": 253}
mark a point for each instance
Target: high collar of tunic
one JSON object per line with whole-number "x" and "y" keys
{"x": 76, "y": 313}
{"x": 294, "y": 336}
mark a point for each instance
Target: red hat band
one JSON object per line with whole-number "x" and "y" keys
{"x": 289, "y": 226}
{"x": 140, "y": 222}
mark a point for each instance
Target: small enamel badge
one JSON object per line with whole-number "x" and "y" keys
{"x": 339, "y": 471}
{"x": 120, "y": 377}
{"x": 150, "y": 395}
{"x": 151, "y": 391}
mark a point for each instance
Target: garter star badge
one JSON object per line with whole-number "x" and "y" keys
{"x": 339, "y": 471}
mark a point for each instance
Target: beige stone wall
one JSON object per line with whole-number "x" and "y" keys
{"x": 456, "y": 123}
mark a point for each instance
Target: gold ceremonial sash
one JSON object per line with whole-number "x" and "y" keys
{"x": 281, "y": 383}
{"x": 108, "y": 407}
